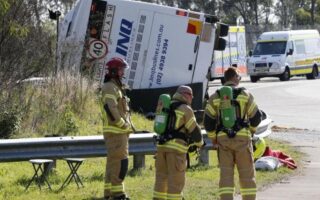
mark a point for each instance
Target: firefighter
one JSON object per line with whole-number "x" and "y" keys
{"x": 170, "y": 160}
{"x": 116, "y": 129}
{"x": 259, "y": 147}
{"x": 234, "y": 144}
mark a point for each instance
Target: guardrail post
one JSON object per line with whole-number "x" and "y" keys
{"x": 47, "y": 168}
{"x": 139, "y": 161}
{"x": 204, "y": 157}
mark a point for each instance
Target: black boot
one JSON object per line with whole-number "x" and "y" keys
{"x": 107, "y": 198}
{"x": 122, "y": 197}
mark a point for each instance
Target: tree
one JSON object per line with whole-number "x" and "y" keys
{"x": 206, "y": 6}
{"x": 303, "y": 17}
{"x": 285, "y": 10}
{"x": 25, "y": 44}
{"x": 252, "y": 11}
{"x": 312, "y": 11}
{"x": 186, "y": 4}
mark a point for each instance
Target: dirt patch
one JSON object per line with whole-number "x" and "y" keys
{"x": 277, "y": 128}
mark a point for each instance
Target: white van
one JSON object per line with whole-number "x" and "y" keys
{"x": 285, "y": 54}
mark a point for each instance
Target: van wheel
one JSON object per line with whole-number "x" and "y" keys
{"x": 285, "y": 76}
{"x": 254, "y": 79}
{"x": 313, "y": 74}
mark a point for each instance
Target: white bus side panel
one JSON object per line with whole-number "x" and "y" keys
{"x": 137, "y": 61}
{"x": 171, "y": 54}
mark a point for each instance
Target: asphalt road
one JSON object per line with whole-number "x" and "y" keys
{"x": 294, "y": 103}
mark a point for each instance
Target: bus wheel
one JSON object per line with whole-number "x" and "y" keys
{"x": 222, "y": 81}
{"x": 313, "y": 74}
{"x": 285, "y": 76}
{"x": 254, "y": 79}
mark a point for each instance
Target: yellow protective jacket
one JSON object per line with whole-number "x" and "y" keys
{"x": 115, "y": 109}
{"x": 184, "y": 116}
{"x": 248, "y": 110}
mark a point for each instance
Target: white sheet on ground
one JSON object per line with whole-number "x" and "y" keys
{"x": 267, "y": 163}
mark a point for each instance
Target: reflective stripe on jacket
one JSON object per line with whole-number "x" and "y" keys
{"x": 114, "y": 100}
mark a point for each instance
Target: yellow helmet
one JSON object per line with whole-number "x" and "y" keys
{"x": 259, "y": 147}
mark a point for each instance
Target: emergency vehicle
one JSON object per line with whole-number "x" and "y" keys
{"x": 233, "y": 55}
{"x": 164, "y": 46}
{"x": 285, "y": 54}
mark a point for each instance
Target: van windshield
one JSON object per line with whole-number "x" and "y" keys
{"x": 267, "y": 48}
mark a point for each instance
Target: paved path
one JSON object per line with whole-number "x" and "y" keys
{"x": 305, "y": 186}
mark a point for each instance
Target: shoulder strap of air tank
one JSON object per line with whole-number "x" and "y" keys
{"x": 237, "y": 91}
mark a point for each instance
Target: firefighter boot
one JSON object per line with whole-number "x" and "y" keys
{"x": 122, "y": 197}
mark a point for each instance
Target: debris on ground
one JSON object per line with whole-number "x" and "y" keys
{"x": 277, "y": 128}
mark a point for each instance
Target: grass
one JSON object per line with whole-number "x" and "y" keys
{"x": 201, "y": 183}
{"x": 64, "y": 106}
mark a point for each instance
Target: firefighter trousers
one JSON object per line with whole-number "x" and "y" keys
{"x": 170, "y": 175}
{"x": 117, "y": 164}
{"x": 237, "y": 152}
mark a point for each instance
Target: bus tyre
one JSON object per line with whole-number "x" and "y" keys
{"x": 254, "y": 79}
{"x": 222, "y": 81}
{"x": 313, "y": 74}
{"x": 285, "y": 76}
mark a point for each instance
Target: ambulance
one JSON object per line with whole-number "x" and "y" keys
{"x": 164, "y": 46}
{"x": 285, "y": 54}
{"x": 233, "y": 55}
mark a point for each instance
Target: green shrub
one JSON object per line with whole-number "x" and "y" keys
{"x": 9, "y": 123}
{"x": 69, "y": 122}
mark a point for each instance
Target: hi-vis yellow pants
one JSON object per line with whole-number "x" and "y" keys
{"x": 237, "y": 152}
{"x": 117, "y": 164}
{"x": 170, "y": 175}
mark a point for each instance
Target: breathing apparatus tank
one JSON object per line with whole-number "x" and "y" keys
{"x": 162, "y": 114}
{"x": 227, "y": 108}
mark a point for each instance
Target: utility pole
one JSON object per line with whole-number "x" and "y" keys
{"x": 55, "y": 16}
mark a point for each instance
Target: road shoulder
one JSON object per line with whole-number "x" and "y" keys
{"x": 305, "y": 184}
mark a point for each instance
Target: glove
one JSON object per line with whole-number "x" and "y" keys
{"x": 193, "y": 148}
{"x": 252, "y": 129}
{"x": 126, "y": 126}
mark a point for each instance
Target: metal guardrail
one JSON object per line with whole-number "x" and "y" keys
{"x": 88, "y": 146}
{"x": 62, "y": 147}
